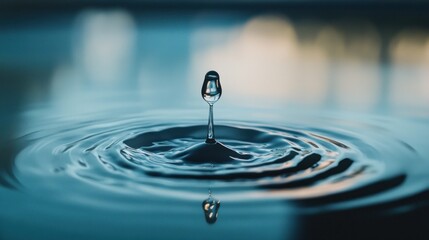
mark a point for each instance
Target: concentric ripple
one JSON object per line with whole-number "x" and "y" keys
{"x": 257, "y": 154}
{"x": 331, "y": 164}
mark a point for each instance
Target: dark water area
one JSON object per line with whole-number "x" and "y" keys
{"x": 321, "y": 131}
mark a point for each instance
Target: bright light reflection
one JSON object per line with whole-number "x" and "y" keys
{"x": 105, "y": 45}
{"x": 267, "y": 58}
{"x": 409, "y": 52}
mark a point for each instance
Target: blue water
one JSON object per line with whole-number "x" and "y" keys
{"x": 109, "y": 176}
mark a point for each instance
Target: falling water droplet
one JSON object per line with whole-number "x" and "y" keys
{"x": 211, "y": 207}
{"x": 211, "y": 92}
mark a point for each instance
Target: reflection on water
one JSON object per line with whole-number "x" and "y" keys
{"x": 131, "y": 165}
{"x": 211, "y": 209}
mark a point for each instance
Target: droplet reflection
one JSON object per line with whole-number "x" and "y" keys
{"x": 211, "y": 209}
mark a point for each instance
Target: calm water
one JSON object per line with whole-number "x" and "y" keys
{"x": 322, "y": 130}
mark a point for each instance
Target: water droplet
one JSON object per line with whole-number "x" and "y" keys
{"x": 211, "y": 92}
{"x": 211, "y": 207}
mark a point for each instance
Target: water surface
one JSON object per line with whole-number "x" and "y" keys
{"x": 134, "y": 173}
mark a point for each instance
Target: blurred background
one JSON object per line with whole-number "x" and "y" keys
{"x": 357, "y": 56}
{"x": 352, "y": 55}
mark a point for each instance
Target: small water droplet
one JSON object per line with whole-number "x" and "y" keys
{"x": 211, "y": 90}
